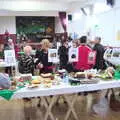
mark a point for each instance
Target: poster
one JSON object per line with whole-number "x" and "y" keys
{"x": 10, "y": 59}
{"x": 53, "y": 55}
{"x": 73, "y": 54}
{"x": 118, "y": 35}
{"x": 92, "y": 57}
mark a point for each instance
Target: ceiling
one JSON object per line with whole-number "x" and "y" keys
{"x": 21, "y": 7}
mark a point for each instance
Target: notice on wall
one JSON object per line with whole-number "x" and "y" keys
{"x": 118, "y": 35}
{"x": 73, "y": 54}
{"x": 53, "y": 55}
{"x": 10, "y": 59}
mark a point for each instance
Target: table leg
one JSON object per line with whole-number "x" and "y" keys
{"x": 49, "y": 106}
{"x": 12, "y": 71}
{"x": 108, "y": 90}
{"x": 39, "y": 102}
{"x": 71, "y": 107}
{"x": 112, "y": 91}
{"x": 107, "y": 93}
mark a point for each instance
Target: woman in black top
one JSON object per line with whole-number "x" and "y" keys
{"x": 63, "y": 55}
{"x": 42, "y": 62}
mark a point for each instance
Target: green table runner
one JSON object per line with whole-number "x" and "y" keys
{"x": 7, "y": 94}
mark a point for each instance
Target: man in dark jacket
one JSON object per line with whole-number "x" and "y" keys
{"x": 100, "y": 63}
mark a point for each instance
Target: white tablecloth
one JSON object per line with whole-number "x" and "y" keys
{"x": 65, "y": 89}
{"x": 3, "y": 64}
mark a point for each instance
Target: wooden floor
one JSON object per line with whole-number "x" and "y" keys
{"x": 91, "y": 107}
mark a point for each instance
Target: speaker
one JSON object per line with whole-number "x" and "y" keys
{"x": 83, "y": 11}
{"x": 69, "y": 17}
{"x": 111, "y": 2}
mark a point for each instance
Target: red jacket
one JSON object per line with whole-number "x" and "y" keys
{"x": 82, "y": 63}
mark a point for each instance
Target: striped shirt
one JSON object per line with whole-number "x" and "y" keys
{"x": 26, "y": 64}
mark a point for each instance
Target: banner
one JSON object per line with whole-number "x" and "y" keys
{"x": 73, "y": 54}
{"x": 53, "y": 55}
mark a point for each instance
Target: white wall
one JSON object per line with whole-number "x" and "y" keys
{"x": 77, "y": 26}
{"x": 8, "y": 23}
{"x": 108, "y": 25}
{"x": 58, "y": 26}
{"x": 28, "y": 13}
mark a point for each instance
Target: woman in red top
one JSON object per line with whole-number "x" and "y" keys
{"x": 83, "y": 52}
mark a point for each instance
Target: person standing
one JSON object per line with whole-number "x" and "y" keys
{"x": 9, "y": 45}
{"x": 100, "y": 62}
{"x": 63, "y": 55}
{"x": 83, "y": 54}
{"x": 42, "y": 62}
{"x": 6, "y": 35}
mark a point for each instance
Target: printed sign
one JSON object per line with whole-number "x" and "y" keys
{"x": 92, "y": 57}
{"x": 10, "y": 57}
{"x": 53, "y": 55}
{"x": 73, "y": 54}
